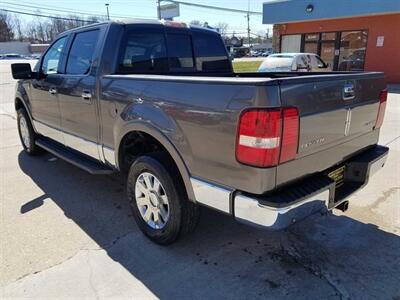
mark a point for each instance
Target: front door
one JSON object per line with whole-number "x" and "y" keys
{"x": 78, "y": 105}
{"x": 44, "y": 92}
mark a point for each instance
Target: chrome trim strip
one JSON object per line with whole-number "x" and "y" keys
{"x": 109, "y": 156}
{"x": 49, "y": 131}
{"x": 211, "y": 195}
{"x": 77, "y": 143}
{"x": 82, "y": 145}
{"x": 249, "y": 210}
{"x": 347, "y": 122}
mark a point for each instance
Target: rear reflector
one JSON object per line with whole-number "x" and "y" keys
{"x": 267, "y": 136}
{"x": 382, "y": 108}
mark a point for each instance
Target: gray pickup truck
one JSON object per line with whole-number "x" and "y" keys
{"x": 159, "y": 102}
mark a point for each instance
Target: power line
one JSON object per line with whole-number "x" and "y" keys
{"x": 45, "y": 16}
{"x": 216, "y": 7}
{"x": 66, "y": 10}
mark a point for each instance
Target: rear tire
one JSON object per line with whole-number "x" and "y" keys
{"x": 158, "y": 199}
{"x": 26, "y": 133}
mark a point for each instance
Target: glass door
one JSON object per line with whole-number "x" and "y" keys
{"x": 353, "y": 45}
{"x": 328, "y": 54}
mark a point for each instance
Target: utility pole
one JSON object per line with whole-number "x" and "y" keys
{"x": 108, "y": 13}
{"x": 248, "y": 22}
{"x": 248, "y": 28}
{"x": 159, "y": 9}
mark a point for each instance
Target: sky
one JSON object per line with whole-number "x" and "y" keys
{"x": 147, "y": 9}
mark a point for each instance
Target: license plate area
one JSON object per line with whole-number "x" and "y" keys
{"x": 337, "y": 175}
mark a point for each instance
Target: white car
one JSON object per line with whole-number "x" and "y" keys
{"x": 293, "y": 62}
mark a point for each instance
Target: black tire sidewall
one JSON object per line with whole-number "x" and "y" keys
{"x": 32, "y": 147}
{"x": 171, "y": 230}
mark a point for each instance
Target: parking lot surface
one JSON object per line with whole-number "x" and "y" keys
{"x": 65, "y": 234}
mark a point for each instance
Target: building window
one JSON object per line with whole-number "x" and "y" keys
{"x": 343, "y": 51}
{"x": 353, "y": 45}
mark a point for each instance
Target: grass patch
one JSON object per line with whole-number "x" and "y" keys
{"x": 246, "y": 66}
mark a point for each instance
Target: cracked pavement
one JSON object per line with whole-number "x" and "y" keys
{"x": 67, "y": 234}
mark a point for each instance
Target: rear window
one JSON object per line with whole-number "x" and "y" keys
{"x": 152, "y": 50}
{"x": 210, "y": 52}
{"x": 180, "y": 52}
{"x": 143, "y": 51}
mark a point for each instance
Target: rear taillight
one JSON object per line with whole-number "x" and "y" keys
{"x": 267, "y": 136}
{"x": 382, "y": 108}
{"x": 290, "y": 134}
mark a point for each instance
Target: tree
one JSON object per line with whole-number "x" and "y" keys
{"x": 17, "y": 28}
{"x": 222, "y": 28}
{"x": 6, "y": 32}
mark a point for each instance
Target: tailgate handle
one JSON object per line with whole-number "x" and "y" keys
{"x": 348, "y": 91}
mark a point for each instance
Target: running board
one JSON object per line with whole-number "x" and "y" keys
{"x": 80, "y": 160}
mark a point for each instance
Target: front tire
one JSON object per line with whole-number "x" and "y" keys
{"x": 26, "y": 133}
{"x": 158, "y": 199}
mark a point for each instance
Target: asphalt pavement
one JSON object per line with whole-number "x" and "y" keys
{"x": 67, "y": 234}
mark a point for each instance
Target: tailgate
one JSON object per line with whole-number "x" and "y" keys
{"x": 337, "y": 119}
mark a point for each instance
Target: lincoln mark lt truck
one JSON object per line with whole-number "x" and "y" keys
{"x": 159, "y": 102}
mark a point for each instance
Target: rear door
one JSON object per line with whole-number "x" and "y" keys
{"x": 44, "y": 91}
{"x": 77, "y": 94}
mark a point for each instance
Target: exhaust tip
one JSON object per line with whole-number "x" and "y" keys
{"x": 343, "y": 206}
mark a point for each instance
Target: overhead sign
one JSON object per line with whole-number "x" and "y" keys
{"x": 169, "y": 11}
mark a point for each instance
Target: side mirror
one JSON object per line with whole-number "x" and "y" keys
{"x": 324, "y": 66}
{"x": 21, "y": 71}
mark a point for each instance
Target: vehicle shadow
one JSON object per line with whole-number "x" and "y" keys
{"x": 325, "y": 256}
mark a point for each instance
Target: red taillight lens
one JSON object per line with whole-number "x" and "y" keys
{"x": 290, "y": 134}
{"x": 382, "y": 107}
{"x": 258, "y": 138}
{"x": 267, "y": 136}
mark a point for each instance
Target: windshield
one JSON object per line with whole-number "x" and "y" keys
{"x": 282, "y": 62}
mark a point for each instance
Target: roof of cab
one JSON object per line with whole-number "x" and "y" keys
{"x": 145, "y": 22}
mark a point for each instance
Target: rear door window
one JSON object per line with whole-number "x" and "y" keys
{"x": 143, "y": 50}
{"x": 210, "y": 52}
{"x": 180, "y": 52}
{"x": 81, "y": 54}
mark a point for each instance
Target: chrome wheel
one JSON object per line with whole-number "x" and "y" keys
{"x": 151, "y": 200}
{"x": 24, "y": 131}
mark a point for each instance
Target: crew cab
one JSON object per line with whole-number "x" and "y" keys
{"x": 159, "y": 102}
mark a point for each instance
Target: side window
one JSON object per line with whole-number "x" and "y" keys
{"x": 52, "y": 57}
{"x": 81, "y": 54}
{"x": 303, "y": 63}
{"x": 180, "y": 53}
{"x": 210, "y": 52}
{"x": 316, "y": 64}
{"x": 143, "y": 51}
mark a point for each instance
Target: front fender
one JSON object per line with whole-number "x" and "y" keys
{"x": 21, "y": 96}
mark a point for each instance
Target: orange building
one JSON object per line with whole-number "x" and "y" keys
{"x": 349, "y": 35}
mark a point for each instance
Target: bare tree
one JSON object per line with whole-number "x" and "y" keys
{"x": 17, "y": 28}
{"x": 222, "y": 28}
{"x": 6, "y": 32}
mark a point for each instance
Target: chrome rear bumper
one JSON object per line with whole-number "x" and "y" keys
{"x": 260, "y": 211}
{"x": 292, "y": 203}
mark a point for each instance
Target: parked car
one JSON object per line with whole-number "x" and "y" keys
{"x": 159, "y": 103}
{"x": 11, "y": 56}
{"x": 296, "y": 62}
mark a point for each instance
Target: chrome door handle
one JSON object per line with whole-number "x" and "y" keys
{"x": 86, "y": 95}
{"x": 52, "y": 91}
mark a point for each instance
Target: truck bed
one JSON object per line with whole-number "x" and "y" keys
{"x": 199, "y": 114}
